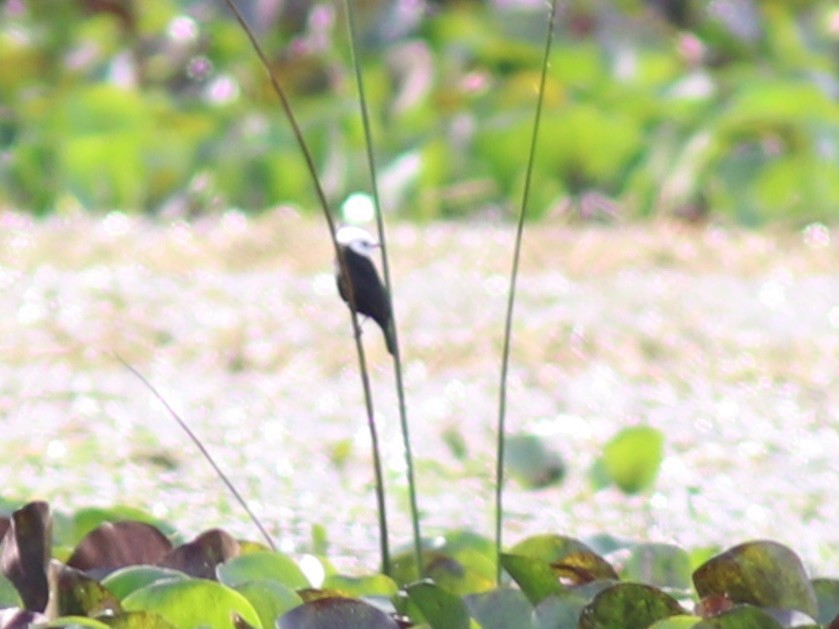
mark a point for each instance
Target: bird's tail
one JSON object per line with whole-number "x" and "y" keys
{"x": 390, "y": 338}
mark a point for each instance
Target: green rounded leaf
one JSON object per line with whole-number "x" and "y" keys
{"x": 329, "y": 613}
{"x": 439, "y": 608}
{"x": 260, "y": 566}
{"x": 533, "y": 576}
{"x": 661, "y": 565}
{"x": 628, "y": 606}
{"x": 126, "y": 580}
{"x": 270, "y": 599}
{"x": 632, "y": 458}
{"x": 760, "y": 573}
{"x": 677, "y": 622}
{"x": 742, "y": 617}
{"x": 192, "y": 603}
{"x": 370, "y": 585}
{"x": 827, "y": 595}
{"x": 531, "y": 463}
{"x": 500, "y": 609}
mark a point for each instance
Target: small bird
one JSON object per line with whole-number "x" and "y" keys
{"x": 368, "y": 292}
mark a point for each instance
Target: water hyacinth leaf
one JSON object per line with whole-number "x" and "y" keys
{"x": 533, "y": 576}
{"x": 270, "y": 599}
{"x": 25, "y": 554}
{"x": 633, "y": 457}
{"x": 71, "y": 530}
{"x": 628, "y": 606}
{"x": 468, "y": 547}
{"x": 570, "y": 559}
{"x": 742, "y": 617}
{"x": 9, "y": 596}
{"x": 439, "y": 608}
{"x": 761, "y": 573}
{"x": 548, "y": 547}
{"x": 328, "y": 613}
{"x": 475, "y": 553}
{"x": 370, "y": 585}
{"x": 531, "y": 463}
{"x": 125, "y": 580}
{"x": 138, "y": 620}
{"x": 827, "y": 595}
{"x": 559, "y": 610}
{"x": 192, "y": 603}
{"x": 200, "y": 557}
{"x": 678, "y": 622}
{"x": 115, "y": 545}
{"x": 661, "y": 565}
{"x": 456, "y": 577}
{"x": 500, "y": 609}
{"x": 262, "y": 565}
{"x": 315, "y": 594}
{"x": 79, "y": 595}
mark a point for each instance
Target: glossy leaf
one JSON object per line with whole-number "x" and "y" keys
{"x": 262, "y": 565}
{"x": 330, "y": 613}
{"x": 25, "y": 554}
{"x": 531, "y": 462}
{"x": 370, "y": 585}
{"x": 126, "y": 580}
{"x": 661, "y": 565}
{"x": 440, "y": 609}
{"x": 741, "y": 617}
{"x": 570, "y": 560}
{"x": 559, "y": 610}
{"x": 8, "y": 594}
{"x": 192, "y": 603}
{"x": 456, "y": 577}
{"x": 115, "y": 545}
{"x": 533, "y": 576}
{"x": 71, "y": 530}
{"x": 79, "y": 595}
{"x": 200, "y": 557}
{"x": 270, "y": 599}
{"x": 827, "y": 596}
{"x": 761, "y": 573}
{"x": 500, "y": 609}
{"x": 633, "y": 457}
{"x": 138, "y": 620}
{"x": 628, "y": 606}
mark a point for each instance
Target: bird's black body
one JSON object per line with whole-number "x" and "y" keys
{"x": 368, "y": 292}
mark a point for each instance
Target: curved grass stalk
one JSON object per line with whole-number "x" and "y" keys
{"x": 330, "y": 221}
{"x": 204, "y": 452}
{"x": 511, "y": 297}
{"x": 397, "y": 362}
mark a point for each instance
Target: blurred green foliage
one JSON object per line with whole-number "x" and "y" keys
{"x": 653, "y": 107}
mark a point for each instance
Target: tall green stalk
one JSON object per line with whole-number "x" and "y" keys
{"x": 397, "y": 362}
{"x": 330, "y": 221}
{"x": 511, "y": 297}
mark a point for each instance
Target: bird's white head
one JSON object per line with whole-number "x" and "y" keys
{"x": 357, "y": 239}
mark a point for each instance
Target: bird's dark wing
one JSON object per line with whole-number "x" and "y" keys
{"x": 369, "y": 293}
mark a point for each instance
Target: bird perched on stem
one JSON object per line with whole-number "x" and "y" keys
{"x": 365, "y": 289}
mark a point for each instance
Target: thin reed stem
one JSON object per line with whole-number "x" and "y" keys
{"x": 397, "y": 362}
{"x": 511, "y": 298}
{"x": 330, "y": 221}
{"x": 204, "y": 452}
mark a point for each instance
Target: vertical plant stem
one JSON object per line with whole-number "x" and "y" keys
{"x": 330, "y": 221}
{"x": 511, "y": 299}
{"x": 397, "y": 362}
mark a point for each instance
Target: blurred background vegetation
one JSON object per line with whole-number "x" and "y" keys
{"x": 653, "y": 107}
